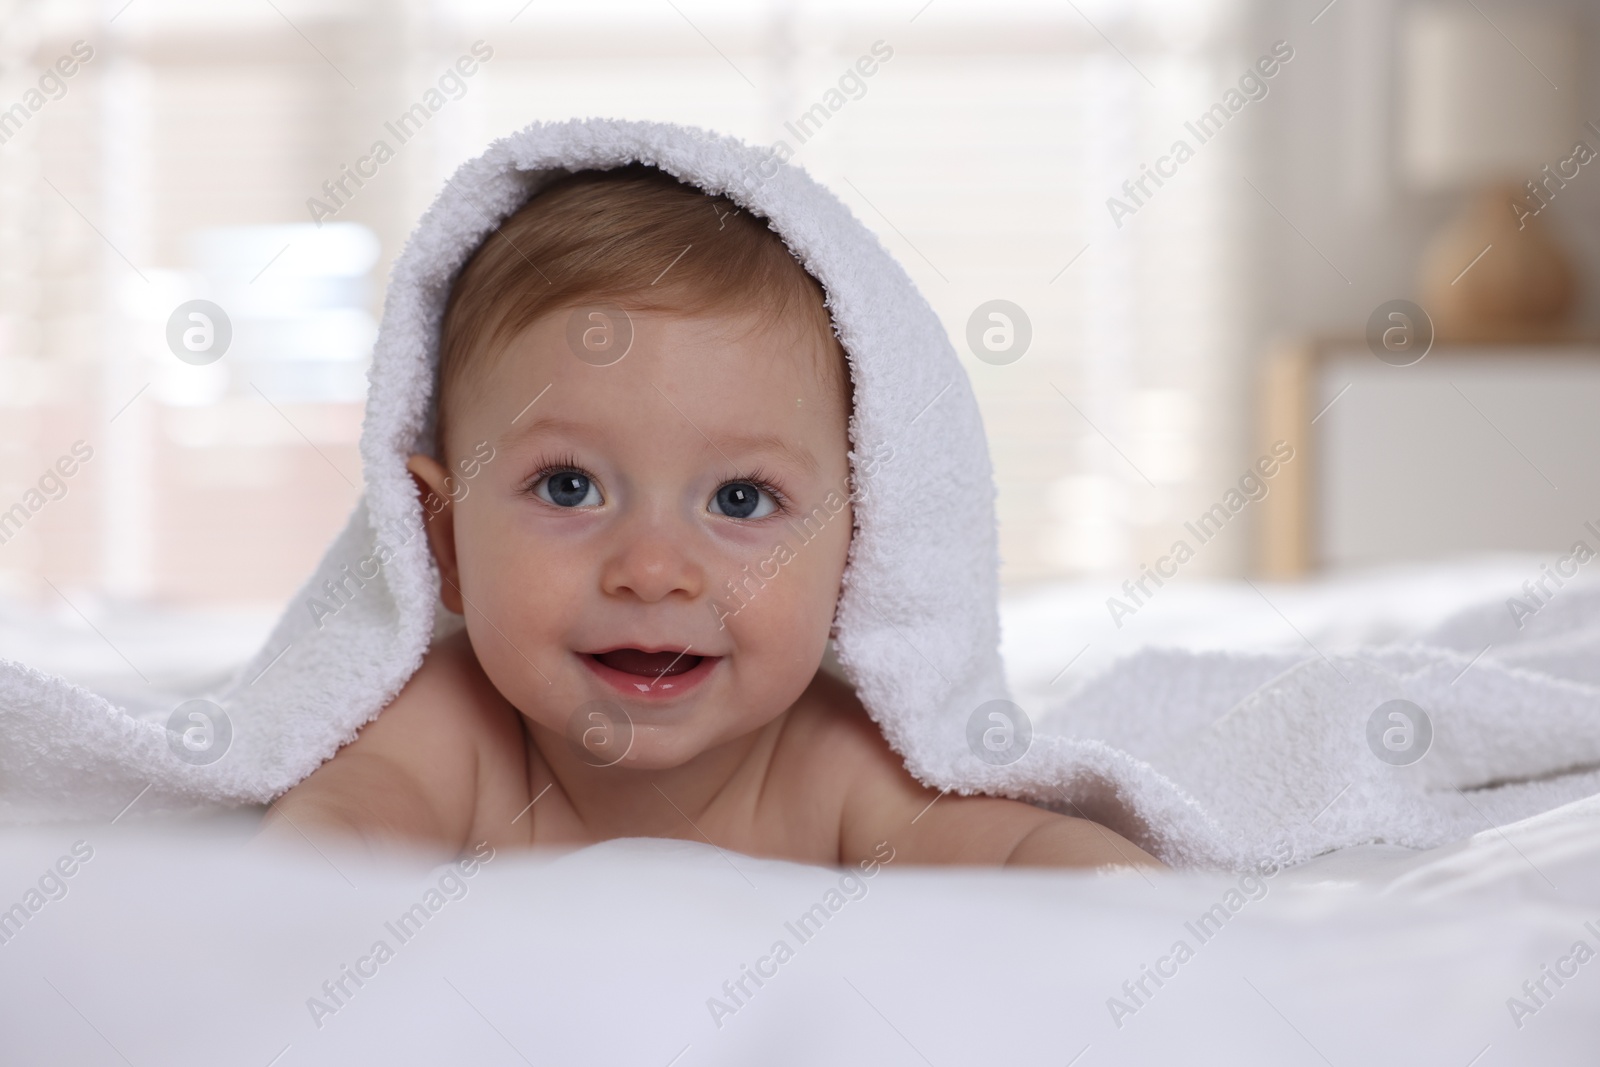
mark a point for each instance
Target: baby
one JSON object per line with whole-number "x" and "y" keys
{"x": 603, "y": 479}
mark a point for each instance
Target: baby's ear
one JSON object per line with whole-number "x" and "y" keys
{"x": 432, "y": 480}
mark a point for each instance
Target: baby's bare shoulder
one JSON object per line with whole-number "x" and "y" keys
{"x": 448, "y": 709}
{"x": 831, "y": 736}
{"x": 883, "y": 810}
{"x": 417, "y": 770}
{"x": 833, "y": 763}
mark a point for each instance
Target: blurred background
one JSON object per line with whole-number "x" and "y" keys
{"x": 1159, "y": 333}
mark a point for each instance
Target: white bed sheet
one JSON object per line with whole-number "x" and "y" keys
{"x": 183, "y": 947}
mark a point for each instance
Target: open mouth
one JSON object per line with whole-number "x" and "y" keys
{"x": 648, "y": 664}
{"x": 642, "y": 675}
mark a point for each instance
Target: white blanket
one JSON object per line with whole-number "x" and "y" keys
{"x": 1253, "y": 748}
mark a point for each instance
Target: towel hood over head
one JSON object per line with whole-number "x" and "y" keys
{"x": 917, "y": 620}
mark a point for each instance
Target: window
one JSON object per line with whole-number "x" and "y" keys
{"x": 183, "y": 161}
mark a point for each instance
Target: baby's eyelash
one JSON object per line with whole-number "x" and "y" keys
{"x": 554, "y": 465}
{"x": 760, "y": 479}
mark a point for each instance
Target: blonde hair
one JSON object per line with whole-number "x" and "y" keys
{"x": 612, "y": 236}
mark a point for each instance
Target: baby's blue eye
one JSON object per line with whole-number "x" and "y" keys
{"x": 569, "y": 489}
{"x": 741, "y": 500}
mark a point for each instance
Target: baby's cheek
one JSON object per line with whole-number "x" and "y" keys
{"x": 503, "y": 573}
{"x": 786, "y": 619}
{"x": 519, "y": 595}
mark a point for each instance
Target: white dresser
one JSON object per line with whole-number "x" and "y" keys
{"x": 1478, "y": 447}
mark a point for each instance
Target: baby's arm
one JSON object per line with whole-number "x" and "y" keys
{"x": 885, "y": 803}
{"x": 412, "y": 775}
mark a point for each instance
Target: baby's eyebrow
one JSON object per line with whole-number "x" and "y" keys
{"x": 800, "y": 456}
{"x": 548, "y": 424}
{"x": 726, "y": 444}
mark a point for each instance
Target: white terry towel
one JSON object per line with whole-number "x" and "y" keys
{"x": 917, "y": 620}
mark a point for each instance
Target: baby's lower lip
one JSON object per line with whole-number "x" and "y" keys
{"x": 646, "y": 687}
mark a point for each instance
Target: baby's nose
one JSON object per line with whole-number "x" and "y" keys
{"x": 652, "y": 567}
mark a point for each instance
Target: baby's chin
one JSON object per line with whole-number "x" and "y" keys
{"x": 651, "y": 738}
{"x": 656, "y": 749}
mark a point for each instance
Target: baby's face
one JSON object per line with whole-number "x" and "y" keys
{"x": 664, "y": 535}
